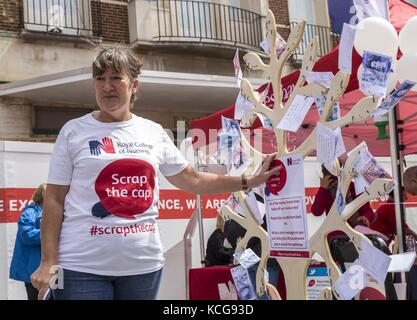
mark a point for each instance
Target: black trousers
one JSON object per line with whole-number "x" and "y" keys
{"x": 31, "y": 291}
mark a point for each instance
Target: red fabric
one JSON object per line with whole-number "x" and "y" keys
{"x": 385, "y": 221}
{"x": 400, "y": 12}
{"x": 324, "y": 201}
{"x": 203, "y": 282}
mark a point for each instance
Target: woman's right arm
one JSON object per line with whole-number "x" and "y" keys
{"x": 321, "y": 200}
{"x": 52, "y": 216}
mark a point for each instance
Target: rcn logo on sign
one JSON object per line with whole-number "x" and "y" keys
{"x": 105, "y": 145}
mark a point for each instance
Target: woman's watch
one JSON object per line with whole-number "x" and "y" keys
{"x": 244, "y": 183}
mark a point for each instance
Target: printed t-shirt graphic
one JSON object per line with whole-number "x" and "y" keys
{"x": 125, "y": 188}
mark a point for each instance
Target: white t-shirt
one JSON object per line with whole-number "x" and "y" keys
{"x": 110, "y": 211}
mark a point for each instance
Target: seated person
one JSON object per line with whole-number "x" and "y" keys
{"x": 326, "y": 194}
{"x": 217, "y": 254}
{"x": 385, "y": 222}
{"x": 385, "y": 215}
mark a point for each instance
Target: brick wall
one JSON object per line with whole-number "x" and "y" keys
{"x": 282, "y": 17}
{"x": 114, "y": 22}
{"x": 9, "y": 15}
{"x": 280, "y": 10}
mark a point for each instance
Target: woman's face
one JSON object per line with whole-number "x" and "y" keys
{"x": 113, "y": 93}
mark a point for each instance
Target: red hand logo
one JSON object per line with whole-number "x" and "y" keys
{"x": 108, "y": 146}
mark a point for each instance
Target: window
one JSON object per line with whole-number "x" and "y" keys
{"x": 50, "y": 120}
{"x": 317, "y": 24}
{"x": 71, "y": 17}
{"x": 301, "y": 10}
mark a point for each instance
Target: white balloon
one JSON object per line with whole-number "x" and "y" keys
{"x": 407, "y": 68}
{"x": 392, "y": 77}
{"x": 377, "y": 35}
{"x": 408, "y": 36}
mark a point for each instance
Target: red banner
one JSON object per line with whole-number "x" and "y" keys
{"x": 173, "y": 204}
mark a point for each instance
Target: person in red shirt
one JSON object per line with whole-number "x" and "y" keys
{"x": 385, "y": 215}
{"x": 385, "y": 221}
{"x": 325, "y": 196}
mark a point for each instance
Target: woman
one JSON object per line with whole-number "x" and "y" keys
{"x": 216, "y": 252}
{"x": 385, "y": 222}
{"x": 27, "y": 248}
{"x": 326, "y": 194}
{"x": 100, "y": 210}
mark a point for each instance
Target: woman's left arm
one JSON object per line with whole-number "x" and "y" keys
{"x": 193, "y": 181}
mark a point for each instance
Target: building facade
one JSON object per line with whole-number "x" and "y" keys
{"x": 47, "y": 46}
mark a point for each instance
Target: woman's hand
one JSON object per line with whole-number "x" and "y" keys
{"x": 363, "y": 221}
{"x": 328, "y": 182}
{"x": 40, "y": 279}
{"x": 265, "y": 173}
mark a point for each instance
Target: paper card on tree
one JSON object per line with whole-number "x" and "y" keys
{"x": 374, "y": 261}
{"x": 280, "y": 47}
{"x": 255, "y": 207}
{"x": 351, "y": 282}
{"x": 322, "y": 78}
{"x": 367, "y": 169}
{"x": 236, "y": 62}
{"x": 326, "y": 144}
{"x": 247, "y": 258}
{"x": 346, "y": 47}
{"x": 266, "y": 123}
{"x": 334, "y": 113}
{"x": 235, "y": 206}
{"x": 376, "y": 68}
{"x": 340, "y": 202}
{"x": 242, "y": 106}
{"x": 238, "y": 69}
{"x": 240, "y": 162}
{"x": 244, "y": 287}
{"x": 230, "y": 127}
{"x": 340, "y": 145}
{"x": 239, "y": 78}
{"x": 296, "y": 113}
{"x": 286, "y": 209}
{"x": 393, "y": 99}
{"x": 402, "y": 262}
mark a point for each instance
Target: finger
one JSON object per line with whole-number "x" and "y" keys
{"x": 275, "y": 171}
{"x": 42, "y": 292}
{"x": 268, "y": 160}
{"x": 34, "y": 282}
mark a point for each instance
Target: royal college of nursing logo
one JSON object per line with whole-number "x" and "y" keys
{"x": 106, "y": 145}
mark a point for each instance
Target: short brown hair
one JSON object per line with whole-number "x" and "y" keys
{"x": 120, "y": 58}
{"x": 37, "y": 196}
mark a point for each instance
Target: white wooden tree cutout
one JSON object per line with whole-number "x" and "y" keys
{"x": 294, "y": 269}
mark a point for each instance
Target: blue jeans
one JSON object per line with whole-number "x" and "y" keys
{"x": 87, "y": 286}
{"x": 273, "y": 272}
